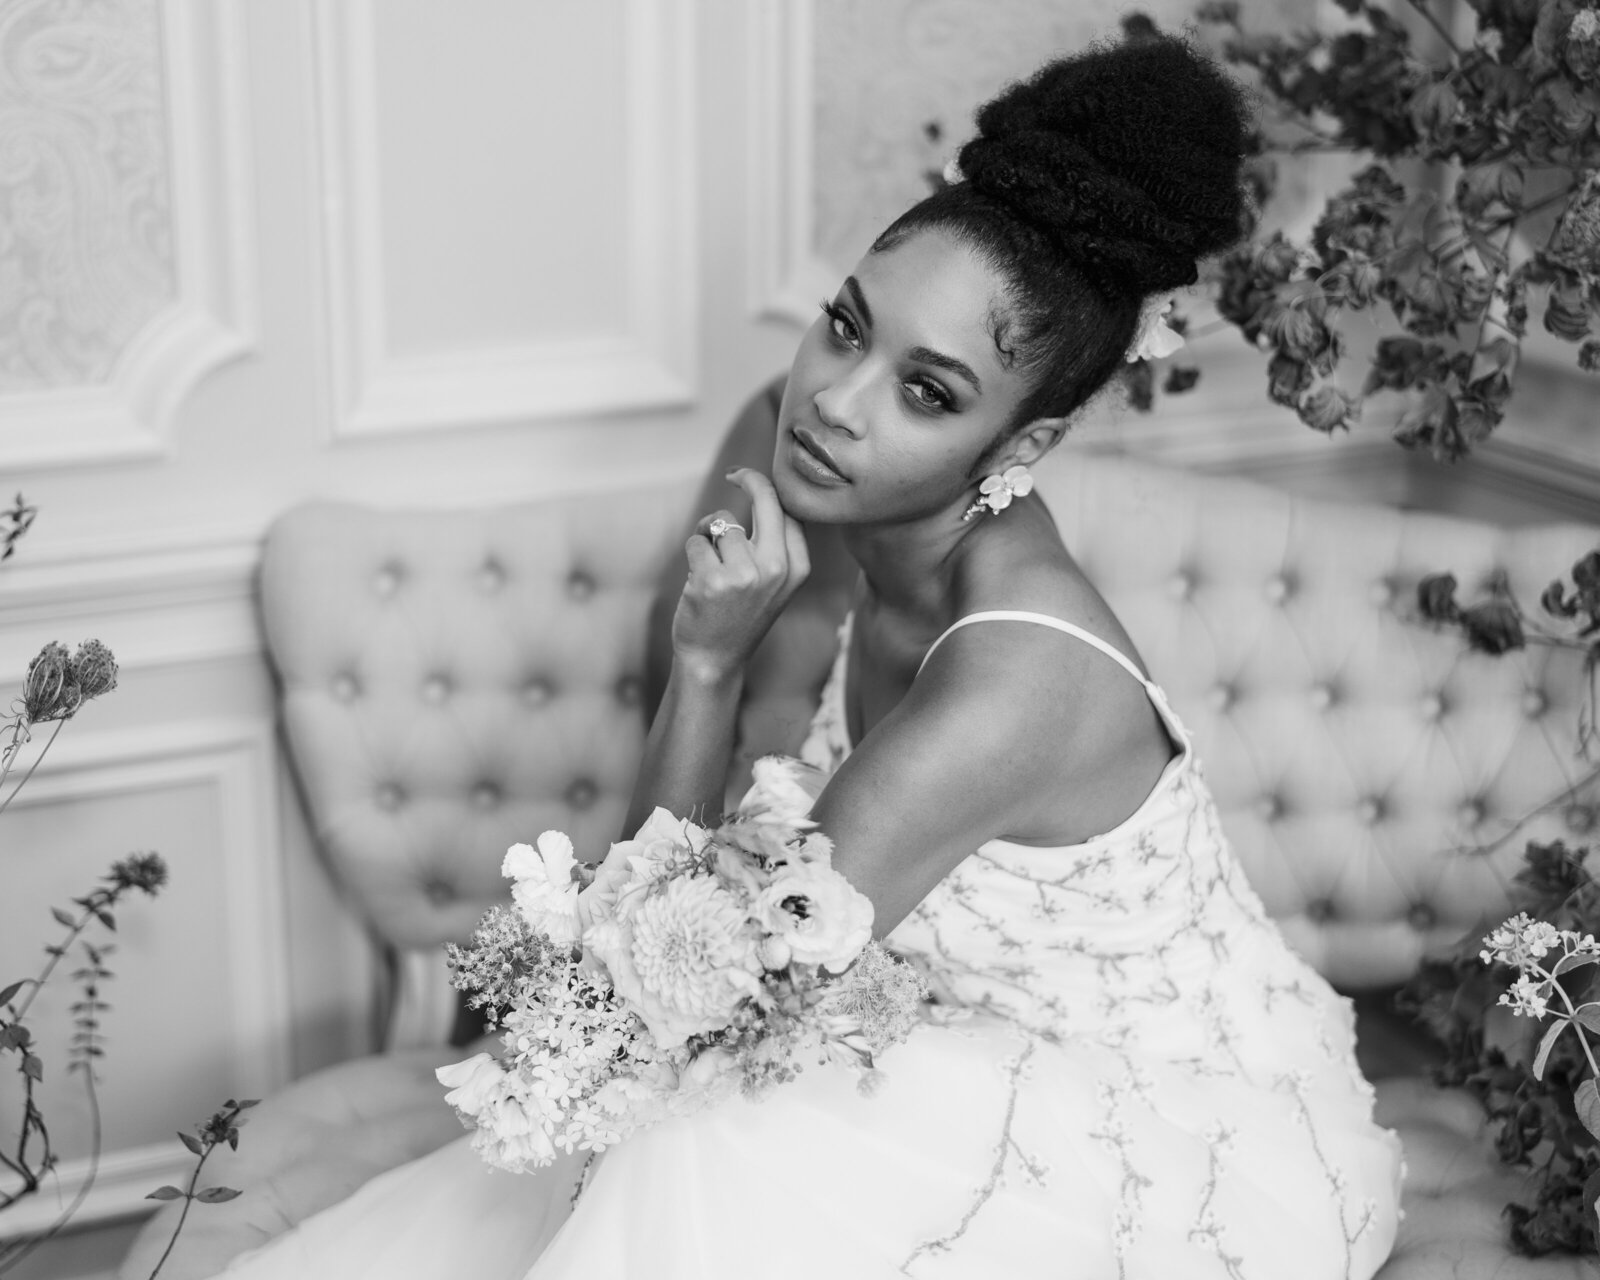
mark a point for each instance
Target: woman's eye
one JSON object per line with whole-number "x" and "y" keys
{"x": 840, "y": 325}
{"x": 929, "y": 395}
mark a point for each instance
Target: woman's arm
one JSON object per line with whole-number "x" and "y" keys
{"x": 994, "y": 729}
{"x": 790, "y": 664}
{"x": 748, "y": 443}
{"x": 736, "y": 586}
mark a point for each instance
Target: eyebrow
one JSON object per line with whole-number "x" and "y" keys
{"x": 927, "y": 355}
{"x": 922, "y": 355}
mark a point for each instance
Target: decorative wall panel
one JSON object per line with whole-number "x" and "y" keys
{"x": 481, "y": 265}
{"x": 200, "y": 997}
{"x": 124, "y": 228}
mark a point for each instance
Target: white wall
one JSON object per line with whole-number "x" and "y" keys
{"x": 255, "y": 251}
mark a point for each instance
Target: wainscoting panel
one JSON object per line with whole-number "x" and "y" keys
{"x": 442, "y": 210}
{"x": 200, "y": 998}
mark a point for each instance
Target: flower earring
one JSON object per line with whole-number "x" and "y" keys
{"x": 996, "y": 491}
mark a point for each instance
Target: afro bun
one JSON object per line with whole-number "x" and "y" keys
{"x": 1125, "y": 156}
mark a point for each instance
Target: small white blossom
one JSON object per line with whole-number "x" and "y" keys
{"x": 1528, "y": 996}
{"x": 1520, "y": 942}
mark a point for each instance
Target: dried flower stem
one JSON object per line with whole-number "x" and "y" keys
{"x": 54, "y": 733}
{"x": 17, "y": 1252}
{"x": 188, "y": 1199}
{"x": 1438, "y": 26}
{"x": 1567, "y": 792}
{"x": 57, "y": 952}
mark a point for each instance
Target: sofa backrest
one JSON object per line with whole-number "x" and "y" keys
{"x": 453, "y": 682}
{"x": 1378, "y": 780}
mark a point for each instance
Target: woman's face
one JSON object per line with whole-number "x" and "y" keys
{"x": 898, "y": 390}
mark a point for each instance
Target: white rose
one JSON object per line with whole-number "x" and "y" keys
{"x": 782, "y": 791}
{"x": 659, "y": 844}
{"x": 815, "y": 910}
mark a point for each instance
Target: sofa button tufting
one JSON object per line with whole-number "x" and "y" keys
{"x": 1220, "y": 697}
{"x": 580, "y": 586}
{"x": 1422, "y": 917}
{"x": 386, "y": 581}
{"x": 491, "y": 577}
{"x": 1534, "y": 703}
{"x": 390, "y": 797}
{"x": 1431, "y": 707}
{"x": 486, "y": 795}
{"x": 1381, "y": 593}
{"x": 1369, "y": 810}
{"x": 1469, "y": 813}
{"x": 1579, "y": 818}
{"x": 1322, "y": 696}
{"x": 630, "y": 689}
{"x": 582, "y": 793}
{"x": 345, "y": 687}
{"x": 536, "y": 691}
{"x": 435, "y": 689}
{"x": 1269, "y": 808}
{"x": 1319, "y": 910}
{"x": 1180, "y": 586}
{"x": 1278, "y": 589}
{"x": 439, "y": 891}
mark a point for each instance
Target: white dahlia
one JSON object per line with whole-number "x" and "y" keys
{"x": 683, "y": 959}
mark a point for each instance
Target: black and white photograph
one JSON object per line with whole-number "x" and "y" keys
{"x": 799, "y": 640}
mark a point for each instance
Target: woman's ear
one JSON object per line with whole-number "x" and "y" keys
{"x": 1037, "y": 439}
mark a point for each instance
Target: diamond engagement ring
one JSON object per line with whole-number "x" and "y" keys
{"x": 719, "y": 526}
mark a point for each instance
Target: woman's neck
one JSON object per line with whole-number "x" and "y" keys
{"x": 911, "y": 570}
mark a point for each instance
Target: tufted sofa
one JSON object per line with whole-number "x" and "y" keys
{"x": 455, "y": 681}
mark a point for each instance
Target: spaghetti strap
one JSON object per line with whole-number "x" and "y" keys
{"x": 1043, "y": 619}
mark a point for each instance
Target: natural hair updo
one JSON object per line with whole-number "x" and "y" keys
{"x": 1097, "y": 182}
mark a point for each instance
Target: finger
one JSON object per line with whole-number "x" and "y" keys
{"x": 703, "y": 559}
{"x": 794, "y": 541}
{"x": 732, "y": 534}
{"x": 766, "y": 513}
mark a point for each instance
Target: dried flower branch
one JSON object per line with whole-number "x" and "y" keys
{"x": 1467, "y": 150}
{"x": 222, "y": 1127}
{"x": 32, "y": 1156}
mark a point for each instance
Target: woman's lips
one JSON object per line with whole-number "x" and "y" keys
{"x": 813, "y": 459}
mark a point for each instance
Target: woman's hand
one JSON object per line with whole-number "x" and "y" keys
{"x": 738, "y": 583}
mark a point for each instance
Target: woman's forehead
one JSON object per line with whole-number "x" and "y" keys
{"x": 931, "y": 290}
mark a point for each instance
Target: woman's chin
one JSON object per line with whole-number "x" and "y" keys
{"x": 803, "y": 500}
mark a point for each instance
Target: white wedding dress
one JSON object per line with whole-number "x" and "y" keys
{"x": 1147, "y": 1084}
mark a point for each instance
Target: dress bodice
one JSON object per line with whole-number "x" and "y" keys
{"x": 1093, "y": 939}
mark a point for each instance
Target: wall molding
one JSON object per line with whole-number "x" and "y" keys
{"x": 650, "y": 363}
{"x": 785, "y": 274}
{"x": 213, "y": 318}
{"x": 155, "y": 604}
{"x": 235, "y": 758}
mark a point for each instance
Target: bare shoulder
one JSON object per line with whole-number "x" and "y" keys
{"x": 1063, "y": 697}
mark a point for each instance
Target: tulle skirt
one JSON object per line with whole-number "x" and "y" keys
{"x": 983, "y": 1153}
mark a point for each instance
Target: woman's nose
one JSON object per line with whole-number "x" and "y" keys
{"x": 838, "y": 405}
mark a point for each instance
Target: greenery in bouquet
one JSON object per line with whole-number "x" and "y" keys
{"x": 1480, "y": 207}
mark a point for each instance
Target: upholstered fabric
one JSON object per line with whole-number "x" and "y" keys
{"x": 456, "y": 681}
{"x": 1369, "y": 769}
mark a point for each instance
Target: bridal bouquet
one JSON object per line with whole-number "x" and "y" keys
{"x": 695, "y": 964}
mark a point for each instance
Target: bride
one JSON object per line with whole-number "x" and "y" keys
{"x": 1132, "y": 1075}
